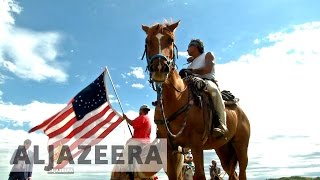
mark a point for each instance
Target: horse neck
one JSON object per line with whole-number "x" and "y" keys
{"x": 175, "y": 91}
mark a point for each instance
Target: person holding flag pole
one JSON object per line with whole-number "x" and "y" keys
{"x": 141, "y": 124}
{"x": 140, "y": 136}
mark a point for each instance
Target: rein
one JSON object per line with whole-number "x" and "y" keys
{"x": 184, "y": 109}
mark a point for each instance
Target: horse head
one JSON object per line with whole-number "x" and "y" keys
{"x": 160, "y": 49}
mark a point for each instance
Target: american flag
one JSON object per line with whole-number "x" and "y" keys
{"x": 86, "y": 120}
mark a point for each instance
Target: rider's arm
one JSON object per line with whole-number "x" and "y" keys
{"x": 209, "y": 59}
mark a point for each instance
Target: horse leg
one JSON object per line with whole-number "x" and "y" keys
{"x": 240, "y": 144}
{"x": 198, "y": 163}
{"x": 174, "y": 165}
{"x": 228, "y": 159}
{"x": 242, "y": 150}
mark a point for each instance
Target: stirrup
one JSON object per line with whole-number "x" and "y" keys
{"x": 218, "y": 132}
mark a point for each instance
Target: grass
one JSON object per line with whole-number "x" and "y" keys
{"x": 296, "y": 178}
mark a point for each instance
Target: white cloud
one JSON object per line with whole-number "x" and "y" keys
{"x": 277, "y": 86}
{"x": 2, "y": 78}
{"x": 123, "y": 76}
{"x": 137, "y": 85}
{"x": 114, "y": 101}
{"x": 136, "y": 72}
{"x": 256, "y": 41}
{"x": 183, "y": 54}
{"x": 26, "y": 53}
{"x": 33, "y": 113}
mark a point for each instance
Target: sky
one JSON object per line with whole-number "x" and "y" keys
{"x": 267, "y": 54}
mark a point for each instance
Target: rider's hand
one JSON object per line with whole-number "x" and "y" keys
{"x": 190, "y": 59}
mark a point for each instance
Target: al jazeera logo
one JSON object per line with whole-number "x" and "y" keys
{"x": 63, "y": 158}
{"x": 56, "y": 154}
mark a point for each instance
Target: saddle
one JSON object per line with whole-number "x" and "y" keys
{"x": 204, "y": 101}
{"x": 197, "y": 85}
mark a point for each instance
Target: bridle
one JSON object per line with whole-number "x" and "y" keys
{"x": 157, "y": 86}
{"x": 150, "y": 60}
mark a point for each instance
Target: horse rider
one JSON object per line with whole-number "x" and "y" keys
{"x": 202, "y": 66}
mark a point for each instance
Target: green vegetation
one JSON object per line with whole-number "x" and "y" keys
{"x": 296, "y": 178}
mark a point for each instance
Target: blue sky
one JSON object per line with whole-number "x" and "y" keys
{"x": 267, "y": 54}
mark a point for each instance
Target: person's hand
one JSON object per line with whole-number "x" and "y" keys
{"x": 124, "y": 116}
{"x": 190, "y": 59}
{"x": 29, "y": 178}
{"x": 185, "y": 72}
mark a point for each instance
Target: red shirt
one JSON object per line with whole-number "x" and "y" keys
{"x": 142, "y": 128}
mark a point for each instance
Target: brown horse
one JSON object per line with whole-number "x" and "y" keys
{"x": 181, "y": 121}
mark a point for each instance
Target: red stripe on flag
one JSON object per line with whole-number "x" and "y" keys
{"x": 91, "y": 132}
{"x": 63, "y": 128}
{"x": 45, "y": 123}
{"x": 110, "y": 128}
{"x": 92, "y": 143}
{"x": 88, "y": 122}
{"x": 59, "y": 118}
{"x": 81, "y": 127}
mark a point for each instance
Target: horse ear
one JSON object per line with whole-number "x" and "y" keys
{"x": 145, "y": 28}
{"x": 173, "y": 26}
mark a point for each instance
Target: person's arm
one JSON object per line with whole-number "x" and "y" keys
{"x": 209, "y": 63}
{"x": 129, "y": 121}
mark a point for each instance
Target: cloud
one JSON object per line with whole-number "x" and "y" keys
{"x": 256, "y": 41}
{"x": 277, "y": 87}
{"x": 137, "y": 85}
{"x": 183, "y": 54}
{"x": 33, "y": 113}
{"x": 136, "y": 72}
{"x": 26, "y": 53}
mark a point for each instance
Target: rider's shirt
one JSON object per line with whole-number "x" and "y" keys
{"x": 142, "y": 128}
{"x": 200, "y": 62}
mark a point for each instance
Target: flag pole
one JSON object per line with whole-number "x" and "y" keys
{"x": 114, "y": 89}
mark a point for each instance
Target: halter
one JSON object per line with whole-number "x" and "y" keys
{"x": 171, "y": 62}
{"x": 157, "y": 86}
{"x": 160, "y": 55}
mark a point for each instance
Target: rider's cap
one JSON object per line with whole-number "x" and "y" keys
{"x": 145, "y": 107}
